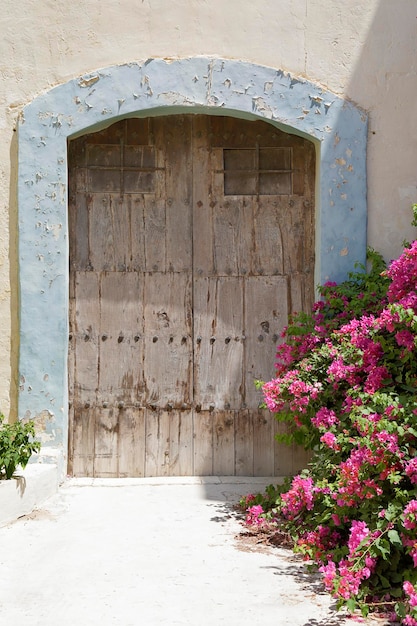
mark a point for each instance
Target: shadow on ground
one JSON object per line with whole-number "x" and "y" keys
{"x": 291, "y": 565}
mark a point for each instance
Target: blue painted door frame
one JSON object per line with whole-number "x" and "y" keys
{"x": 157, "y": 86}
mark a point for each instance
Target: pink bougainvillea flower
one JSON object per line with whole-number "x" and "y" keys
{"x": 298, "y": 497}
{"x": 411, "y": 593}
{"x": 325, "y": 418}
{"x": 253, "y": 515}
{"x": 358, "y": 532}
{"x": 405, "y": 338}
{"x": 411, "y": 470}
{"x": 409, "y": 515}
{"x": 329, "y": 439}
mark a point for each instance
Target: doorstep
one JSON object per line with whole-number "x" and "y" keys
{"x": 26, "y": 490}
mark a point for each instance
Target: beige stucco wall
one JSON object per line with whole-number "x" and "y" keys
{"x": 364, "y": 51}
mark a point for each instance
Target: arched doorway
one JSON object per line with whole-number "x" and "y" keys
{"x": 191, "y": 240}
{"x": 197, "y": 85}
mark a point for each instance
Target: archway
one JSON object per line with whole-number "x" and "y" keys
{"x": 154, "y": 87}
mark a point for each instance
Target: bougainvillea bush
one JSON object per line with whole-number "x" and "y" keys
{"x": 346, "y": 385}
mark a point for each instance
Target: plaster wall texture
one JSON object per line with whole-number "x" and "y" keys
{"x": 362, "y": 51}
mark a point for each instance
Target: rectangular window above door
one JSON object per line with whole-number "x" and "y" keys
{"x": 258, "y": 171}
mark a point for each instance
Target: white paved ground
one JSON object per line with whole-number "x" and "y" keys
{"x": 149, "y": 553}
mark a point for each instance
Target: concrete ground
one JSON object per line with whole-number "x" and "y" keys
{"x": 150, "y": 552}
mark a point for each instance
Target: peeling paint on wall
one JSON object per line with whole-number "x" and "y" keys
{"x": 162, "y": 86}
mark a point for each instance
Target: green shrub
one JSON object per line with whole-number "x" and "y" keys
{"x": 16, "y": 446}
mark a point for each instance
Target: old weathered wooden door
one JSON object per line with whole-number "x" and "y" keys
{"x": 191, "y": 239}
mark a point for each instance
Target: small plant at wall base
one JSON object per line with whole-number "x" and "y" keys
{"x": 16, "y": 446}
{"x": 346, "y": 385}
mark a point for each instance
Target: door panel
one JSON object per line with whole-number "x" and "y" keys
{"x": 191, "y": 240}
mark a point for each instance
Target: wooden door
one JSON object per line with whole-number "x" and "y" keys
{"x": 191, "y": 239}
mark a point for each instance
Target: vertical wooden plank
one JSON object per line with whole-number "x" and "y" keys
{"x": 168, "y": 343}
{"x": 121, "y": 338}
{"x": 136, "y": 204}
{"x": 78, "y": 224}
{"x": 284, "y": 455}
{"x": 155, "y": 226}
{"x": 204, "y": 198}
{"x": 203, "y": 443}
{"x": 86, "y": 338}
{"x": 83, "y": 438}
{"x": 244, "y": 443}
{"x": 233, "y": 229}
{"x": 268, "y": 255}
{"x": 304, "y": 169}
{"x": 176, "y": 135}
{"x": 298, "y": 164}
{"x": 131, "y": 442}
{"x": 228, "y": 226}
{"x": 296, "y": 299}
{"x": 81, "y": 244}
{"x": 106, "y": 459}
{"x": 265, "y": 317}
{"x": 71, "y": 370}
{"x": 71, "y": 424}
{"x": 295, "y": 223}
{"x": 224, "y": 443}
{"x": 301, "y": 459}
{"x": 263, "y": 439}
{"x": 169, "y": 443}
{"x": 75, "y": 465}
{"x": 155, "y": 232}
{"x": 218, "y": 336}
{"x": 137, "y": 131}
{"x": 101, "y": 230}
{"x": 157, "y": 443}
{"x": 121, "y": 233}
{"x": 180, "y": 443}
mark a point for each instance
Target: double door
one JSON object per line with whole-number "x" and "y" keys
{"x": 191, "y": 241}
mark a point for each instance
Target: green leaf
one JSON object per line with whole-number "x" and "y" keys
{"x": 400, "y": 609}
{"x": 383, "y": 547}
{"x": 384, "y": 582}
{"x": 351, "y": 605}
{"x": 394, "y": 538}
{"x": 396, "y": 592}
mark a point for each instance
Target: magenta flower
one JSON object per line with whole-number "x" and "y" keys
{"x": 411, "y": 592}
{"x": 358, "y": 532}
{"x": 253, "y": 515}
{"x": 329, "y": 439}
{"x": 299, "y": 497}
{"x": 403, "y": 273}
{"x": 324, "y": 418}
{"x": 329, "y": 574}
{"x": 411, "y": 470}
{"x": 377, "y": 377}
{"x": 405, "y": 338}
{"x": 390, "y": 440}
{"x": 409, "y": 515}
{"x": 338, "y": 370}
